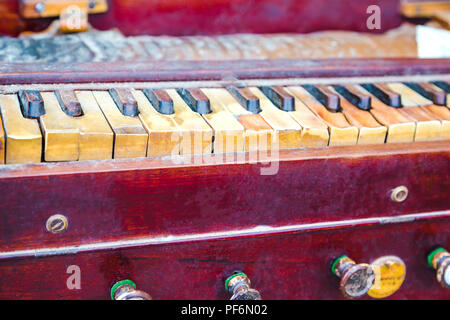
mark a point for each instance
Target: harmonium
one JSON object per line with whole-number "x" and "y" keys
{"x": 224, "y": 149}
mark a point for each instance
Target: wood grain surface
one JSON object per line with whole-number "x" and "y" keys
{"x": 286, "y": 266}
{"x": 125, "y": 199}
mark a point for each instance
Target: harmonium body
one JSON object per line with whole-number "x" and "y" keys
{"x": 212, "y": 160}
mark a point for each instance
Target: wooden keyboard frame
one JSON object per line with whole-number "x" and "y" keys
{"x": 141, "y": 205}
{"x": 224, "y": 71}
{"x": 13, "y": 76}
{"x": 159, "y": 191}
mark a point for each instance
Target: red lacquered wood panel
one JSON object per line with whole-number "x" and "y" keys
{"x": 284, "y": 266}
{"x": 179, "y": 17}
{"x": 116, "y": 200}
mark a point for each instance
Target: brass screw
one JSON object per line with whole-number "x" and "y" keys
{"x": 39, "y": 7}
{"x": 399, "y": 194}
{"x": 56, "y": 223}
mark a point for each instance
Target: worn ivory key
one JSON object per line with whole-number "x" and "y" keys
{"x": 61, "y": 133}
{"x": 164, "y": 137}
{"x": 130, "y": 137}
{"x": 443, "y": 114}
{"x": 370, "y": 131}
{"x": 96, "y": 136}
{"x": 400, "y": 128}
{"x": 258, "y": 134}
{"x": 228, "y": 132}
{"x": 287, "y": 130}
{"x": 314, "y": 133}
{"x": 23, "y": 136}
{"x": 428, "y": 126}
{"x": 196, "y": 133}
{"x": 2, "y": 141}
{"x": 341, "y": 132}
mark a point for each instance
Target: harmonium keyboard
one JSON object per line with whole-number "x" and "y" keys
{"x": 60, "y": 124}
{"x": 242, "y": 178}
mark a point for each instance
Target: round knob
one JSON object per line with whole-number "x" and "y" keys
{"x": 390, "y": 272}
{"x": 356, "y": 279}
{"x": 439, "y": 260}
{"x": 238, "y": 285}
{"x": 126, "y": 290}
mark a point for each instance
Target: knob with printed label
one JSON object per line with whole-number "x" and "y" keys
{"x": 126, "y": 290}
{"x": 238, "y": 285}
{"x": 356, "y": 279}
{"x": 439, "y": 259}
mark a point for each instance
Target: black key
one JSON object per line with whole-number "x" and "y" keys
{"x": 384, "y": 94}
{"x": 246, "y": 98}
{"x": 31, "y": 104}
{"x": 160, "y": 100}
{"x": 356, "y": 98}
{"x": 125, "y": 101}
{"x": 280, "y": 98}
{"x": 69, "y": 102}
{"x": 325, "y": 96}
{"x": 443, "y": 85}
{"x": 196, "y": 100}
{"x": 426, "y": 90}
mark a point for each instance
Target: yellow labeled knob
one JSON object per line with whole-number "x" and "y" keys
{"x": 390, "y": 272}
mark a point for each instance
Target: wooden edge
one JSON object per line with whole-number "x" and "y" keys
{"x": 54, "y": 8}
{"x": 32, "y": 73}
{"x": 355, "y": 152}
{"x": 423, "y": 9}
{"x": 268, "y": 231}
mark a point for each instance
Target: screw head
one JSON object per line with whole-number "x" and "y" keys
{"x": 399, "y": 194}
{"x": 39, "y": 7}
{"x": 56, "y": 223}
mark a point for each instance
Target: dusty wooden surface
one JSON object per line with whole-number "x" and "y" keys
{"x": 112, "y": 46}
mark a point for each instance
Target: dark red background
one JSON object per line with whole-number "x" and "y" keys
{"x": 192, "y": 17}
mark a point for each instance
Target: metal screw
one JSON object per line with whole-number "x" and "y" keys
{"x": 39, "y": 7}
{"x": 399, "y": 194}
{"x": 56, "y": 223}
